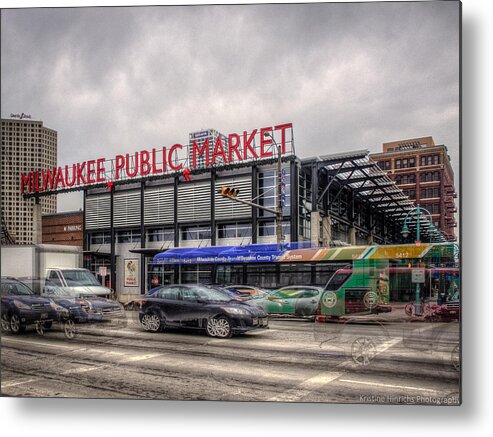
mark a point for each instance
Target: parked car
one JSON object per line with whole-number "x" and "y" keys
{"x": 248, "y": 291}
{"x": 295, "y": 300}
{"x": 84, "y": 308}
{"x": 20, "y": 307}
{"x": 199, "y": 307}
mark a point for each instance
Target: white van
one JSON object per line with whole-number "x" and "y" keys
{"x": 82, "y": 281}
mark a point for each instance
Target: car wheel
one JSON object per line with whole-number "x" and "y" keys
{"x": 151, "y": 322}
{"x": 40, "y": 328}
{"x": 5, "y": 322}
{"x": 219, "y": 327}
{"x": 69, "y": 329}
{"x": 15, "y": 324}
{"x": 363, "y": 350}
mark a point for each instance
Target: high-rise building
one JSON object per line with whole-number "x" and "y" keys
{"x": 424, "y": 173}
{"x": 27, "y": 145}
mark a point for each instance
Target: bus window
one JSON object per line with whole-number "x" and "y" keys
{"x": 338, "y": 279}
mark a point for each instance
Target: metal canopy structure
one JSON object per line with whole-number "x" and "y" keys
{"x": 368, "y": 183}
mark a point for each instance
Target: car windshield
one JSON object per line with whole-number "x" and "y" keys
{"x": 15, "y": 288}
{"x": 80, "y": 277}
{"x": 212, "y": 294}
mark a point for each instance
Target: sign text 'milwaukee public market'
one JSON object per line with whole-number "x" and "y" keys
{"x": 233, "y": 148}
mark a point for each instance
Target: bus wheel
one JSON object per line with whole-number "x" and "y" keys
{"x": 363, "y": 350}
{"x": 409, "y": 309}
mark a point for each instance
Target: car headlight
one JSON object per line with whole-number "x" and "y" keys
{"x": 21, "y": 305}
{"x": 237, "y": 311}
{"x": 58, "y": 308}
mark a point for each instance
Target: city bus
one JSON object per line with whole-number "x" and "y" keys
{"x": 356, "y": 279}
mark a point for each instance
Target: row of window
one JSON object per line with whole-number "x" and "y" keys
{"x": 405, "y": 179}
{"x": 429, "y": 176}
{"x": 190, "y": 233}
{"x": 427, "y": 193}
{"x": 410, "y": 162}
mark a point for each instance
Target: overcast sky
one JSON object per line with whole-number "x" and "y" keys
{"x": 348, "y": 76}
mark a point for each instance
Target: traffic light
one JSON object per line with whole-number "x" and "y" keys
{"x": 229, "y": 191}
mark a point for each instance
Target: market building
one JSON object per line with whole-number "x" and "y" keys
{"x": 141, "y": 204}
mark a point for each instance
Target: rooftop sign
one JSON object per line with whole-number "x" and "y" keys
{"x": 167, "y": 160}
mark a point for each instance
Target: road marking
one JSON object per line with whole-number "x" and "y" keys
{"x": 12, "y": 384}
{"x": 141, "y": 357}
{"x": 37, "y": 343}
{"x": 82, "y": 370}
{"x": 306, "y": 387}
{"x": 378, "y": 384}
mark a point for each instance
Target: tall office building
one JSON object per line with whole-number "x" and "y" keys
{"x": 424, "y": 173}
{"x": 26, "y": 145}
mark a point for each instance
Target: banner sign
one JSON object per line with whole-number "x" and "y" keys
{"x": 256, "y": 145}
{"x": 131, "y": 271}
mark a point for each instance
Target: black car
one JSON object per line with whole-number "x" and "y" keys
{"x": 86, "y": 308}
{"x": 199, "y": 307}
{"x": 20, "y": 307}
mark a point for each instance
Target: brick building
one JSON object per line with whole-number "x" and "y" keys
{"x": 65, "y": 228}
{"x": 424, "y": 173}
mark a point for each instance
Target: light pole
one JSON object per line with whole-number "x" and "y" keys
{"x": 418, "y": 210}
{"x": 279, "y": 235}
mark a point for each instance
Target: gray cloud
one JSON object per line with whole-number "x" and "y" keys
{"x": 348, "y": 76}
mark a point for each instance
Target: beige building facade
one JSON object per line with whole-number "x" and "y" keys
{"x": 27, "y": 145}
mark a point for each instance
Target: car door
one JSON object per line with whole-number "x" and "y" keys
{"x": 169, "y": 301}
{"x": 192, "y": 307}
{"x": 282, "y": 302}
{"x": 307, "y": 302}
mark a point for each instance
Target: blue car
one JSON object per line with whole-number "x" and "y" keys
{"x": 20, "y": 308}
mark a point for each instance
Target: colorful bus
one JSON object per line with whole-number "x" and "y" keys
{"x": 356, "y": 279}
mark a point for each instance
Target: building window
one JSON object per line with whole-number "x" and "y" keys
{"x": 160, "y": 234}
{"x": 128, "y": 236}
{"x": 100, "y": 238}
{"x": 436, "y": 159}
{"x": 268, "y": 229}
{"x": 398, "y": 163}
{"x": 195, "y": 233}
{"x": 234, "y": 230}
{"x": 412, "y": 162}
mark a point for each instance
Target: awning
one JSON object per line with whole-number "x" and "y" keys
{"x": 252, "y": 253}
{"x": 147, "y": 251}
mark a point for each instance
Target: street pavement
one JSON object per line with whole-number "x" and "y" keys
{"x": 374, "y": 361}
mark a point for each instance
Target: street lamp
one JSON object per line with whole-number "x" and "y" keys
{"x": 279, "y": 235}
{"x": 418, "y": 210}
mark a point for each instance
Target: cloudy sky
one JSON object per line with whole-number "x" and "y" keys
{"x": 348, "y": 76}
